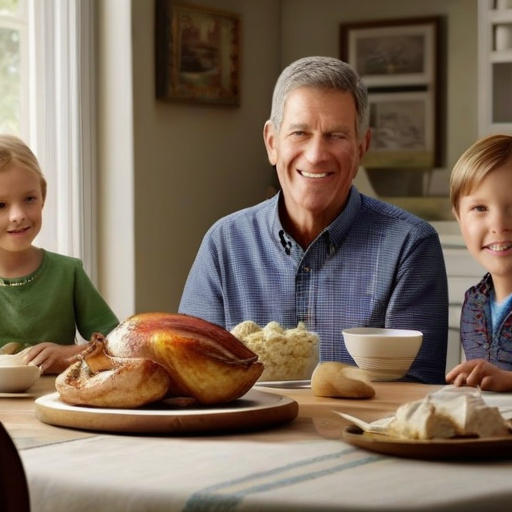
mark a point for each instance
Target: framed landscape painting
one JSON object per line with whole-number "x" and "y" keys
{"x": 402, "y": 131}
{"x": 392, "y": 52}
{"x": 197, "y": 54}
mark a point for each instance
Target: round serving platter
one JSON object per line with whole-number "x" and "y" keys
{"x": 434, "y": 449}
{"x": 255, "y": 410}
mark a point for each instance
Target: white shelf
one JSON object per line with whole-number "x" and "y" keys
{"x": 500, "y": 16}
{"x": 500, "y": 56}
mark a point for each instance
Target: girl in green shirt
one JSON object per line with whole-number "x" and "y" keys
{"x": 44, "y": 297}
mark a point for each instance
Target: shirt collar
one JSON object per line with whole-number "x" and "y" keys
{"x": 337, "y": 231}
{"x": 342, "y": 224}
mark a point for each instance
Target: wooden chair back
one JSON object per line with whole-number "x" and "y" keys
{"x": 14, "y": 496}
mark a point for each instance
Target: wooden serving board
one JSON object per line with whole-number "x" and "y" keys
{"x": 431, "y": 449}
{"x": 255, "y": 410}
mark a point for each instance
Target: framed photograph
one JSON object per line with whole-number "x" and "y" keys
{"x": 402, "y": 127}
{"x": 392, "y": 52}
{"x": 197, "y": 54}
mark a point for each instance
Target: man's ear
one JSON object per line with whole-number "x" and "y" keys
{"x": 364, "y": 145}
{"x": 269, "y": 136}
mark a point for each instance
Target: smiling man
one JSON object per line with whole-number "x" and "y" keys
{"x": 319, "y": 252}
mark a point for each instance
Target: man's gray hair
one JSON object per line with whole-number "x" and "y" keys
{"x": 325, "y": 73}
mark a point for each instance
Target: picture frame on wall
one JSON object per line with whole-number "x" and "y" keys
{"x": 197, "y": 54}
{"x": 394, "y": 52}
{"x": 399, "y": 62}
{"x": 403, "y": 131}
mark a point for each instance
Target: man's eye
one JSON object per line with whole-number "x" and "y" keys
{"x": 31, "y": 199}
{"x": 479, "y": 208}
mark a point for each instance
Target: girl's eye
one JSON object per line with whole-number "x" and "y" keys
{"x": 2, "y": 205}
{"x": 31, "y": 199}
{"x": 479, "y": 208}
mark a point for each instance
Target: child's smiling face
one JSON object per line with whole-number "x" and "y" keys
{"x": 21, "y": 206}
{"x": 485, "y": 219}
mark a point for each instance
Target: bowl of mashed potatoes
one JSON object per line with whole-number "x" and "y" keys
{"x": 288, "y": 354}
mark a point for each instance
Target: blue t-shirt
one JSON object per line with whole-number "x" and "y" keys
{"x": 499, "y": 311}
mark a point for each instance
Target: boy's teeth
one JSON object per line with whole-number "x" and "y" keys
{"x": 499, "y": 247}
{"x": 313, "y": 175}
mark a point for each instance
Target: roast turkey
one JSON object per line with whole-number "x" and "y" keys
{"x": 100, "y": 380}
{"x": 200, "y": 360}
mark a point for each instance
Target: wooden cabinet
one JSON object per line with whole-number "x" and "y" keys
{"x": 494, "y": 66}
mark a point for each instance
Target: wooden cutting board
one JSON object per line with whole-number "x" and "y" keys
{"x": 255, "y": 410}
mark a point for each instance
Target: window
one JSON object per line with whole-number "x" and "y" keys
{"x": 13, "y": 56}
{"x": 47, "y": 63}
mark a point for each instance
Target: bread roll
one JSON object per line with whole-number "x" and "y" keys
{"x": 340, "y": 380}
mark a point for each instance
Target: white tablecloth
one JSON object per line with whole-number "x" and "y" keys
{"x": 160, "y": 474}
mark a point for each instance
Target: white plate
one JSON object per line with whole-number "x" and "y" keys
{"x": 17, "y": 395}
{"x": 285, "y": 384}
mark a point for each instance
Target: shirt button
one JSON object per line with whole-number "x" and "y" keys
{"x": 305, "y": 268}
{"x": 486, "y": 345}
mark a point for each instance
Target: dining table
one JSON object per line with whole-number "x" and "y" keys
{"x": 299, "y": 465}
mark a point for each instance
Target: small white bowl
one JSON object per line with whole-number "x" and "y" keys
{"x": 17, "y": 379}
{"x": 386, "y": 354}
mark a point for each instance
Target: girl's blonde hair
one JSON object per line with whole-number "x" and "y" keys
{"x": 476, "y": 163}
{"x": 13, "y": 151}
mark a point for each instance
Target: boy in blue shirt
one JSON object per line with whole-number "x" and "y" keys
{"x": 480, "y": 187}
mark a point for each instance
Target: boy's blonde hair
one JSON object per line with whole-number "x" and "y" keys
{"x": 476, "y": 163}
{"x": 13, "y": 151}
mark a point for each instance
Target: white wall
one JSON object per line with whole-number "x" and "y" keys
{"x": 169, "y": 170}
{"x": 116, "y": 268}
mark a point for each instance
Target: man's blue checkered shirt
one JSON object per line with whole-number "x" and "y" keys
{"x": 375, "y": 266}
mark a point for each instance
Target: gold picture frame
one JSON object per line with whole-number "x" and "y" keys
{"x": 197, "y": 54}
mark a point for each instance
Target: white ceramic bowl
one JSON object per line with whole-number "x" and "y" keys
{"x": 386, "y": 354}
{"x": 17, "y": 379}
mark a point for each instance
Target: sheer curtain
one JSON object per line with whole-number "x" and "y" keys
{"x": 61, "y": 130}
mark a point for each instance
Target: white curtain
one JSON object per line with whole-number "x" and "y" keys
{"x": 62, "y": 122}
